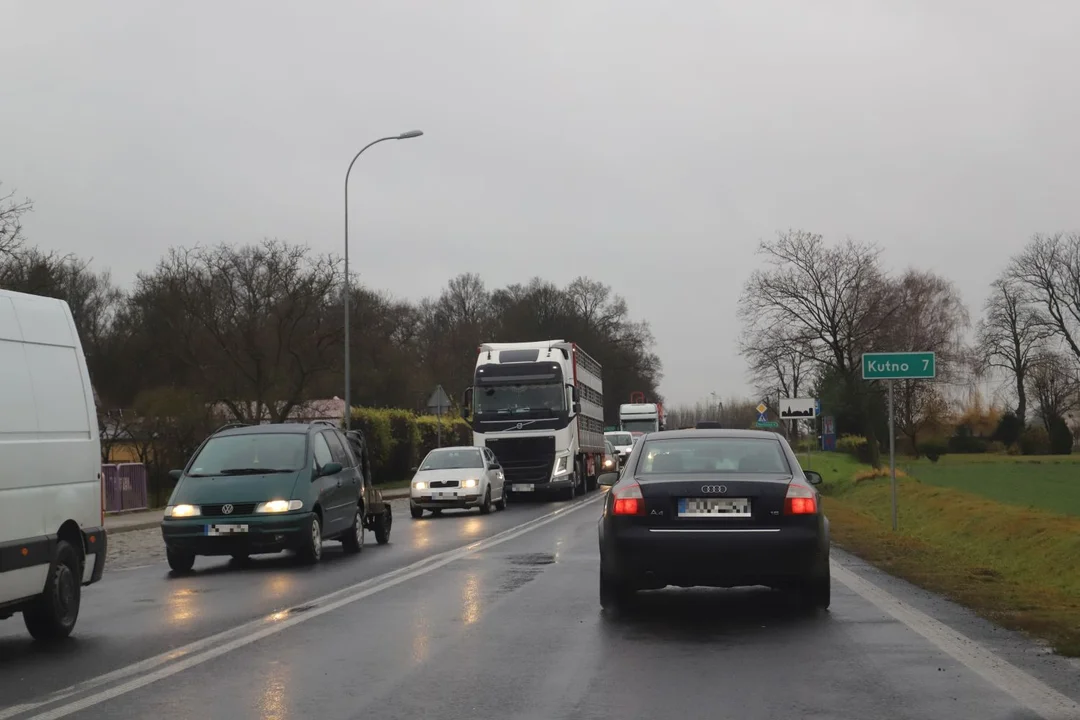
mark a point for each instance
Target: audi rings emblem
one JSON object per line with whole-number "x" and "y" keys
{"x": 714, "y": 488}
{"x": 226, "y": 509}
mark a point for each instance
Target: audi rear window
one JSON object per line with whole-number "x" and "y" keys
{"x": 712, "y": 455}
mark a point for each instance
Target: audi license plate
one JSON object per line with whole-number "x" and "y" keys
{"x": 216, "y": 530}
{"x": 714, "y": 507}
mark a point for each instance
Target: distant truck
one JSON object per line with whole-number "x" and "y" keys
{"x": 640, "y": 418}
{"x": 539, "y": 406}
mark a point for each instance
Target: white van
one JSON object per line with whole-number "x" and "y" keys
{"x": 52, "y": 520}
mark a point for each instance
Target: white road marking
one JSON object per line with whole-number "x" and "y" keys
{"x": 1030, "y": 692}
{"x": 201, "y": 651}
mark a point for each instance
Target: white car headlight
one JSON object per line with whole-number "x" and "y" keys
{"x": 182, "y": 511}
{"x": 419, "y": 485}
{"x": 279, "y": 506}
{"x": 470, "y": 483}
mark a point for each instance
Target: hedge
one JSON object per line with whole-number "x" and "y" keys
{"x": 398, "y": 439}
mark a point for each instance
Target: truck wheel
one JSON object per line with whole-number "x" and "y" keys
{"x": 382, "y": 525}
{"x": 571, "y": 491}
{"x": 53, "y": 614}
{"x": 180, "y": 561}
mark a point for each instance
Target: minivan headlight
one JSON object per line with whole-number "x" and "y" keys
{"x": 279, "y": 506}
{"x": 182, "y": 511}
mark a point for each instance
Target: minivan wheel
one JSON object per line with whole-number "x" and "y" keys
{"x": 310, "y": 551}
{"x": 353, "y": 539}
{"x": 53, "y": 614}
{"x": 180, "y": 561}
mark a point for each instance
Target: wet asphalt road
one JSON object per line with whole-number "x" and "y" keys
{"x": 469, "y": 616}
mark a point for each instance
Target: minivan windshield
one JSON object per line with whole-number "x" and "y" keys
{"x": 250, "y": 454}
{"x": 712, "y": 455}
{"x": 452, "y": 459}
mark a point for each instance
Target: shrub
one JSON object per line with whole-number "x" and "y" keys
{"x": 455, "y": 431}
{"x": 1013, "y": 449}
{"x": 398, "y": 439}
{"x": 1060, "y": 437}
{"x": 1009, "y": 429}
{"x": 1035, "y": 441}
{"x": 850, "y": 443}
{"x": 964, "y": 441}
{"x": 876, "y": 474}
{"x": 933, "y": 449}
{"x": 375, "y": 424}
{"x": 995, "y": 446}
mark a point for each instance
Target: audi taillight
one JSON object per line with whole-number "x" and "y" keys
{"x": 628, "y": 501}
{"x": 801, "y": 500}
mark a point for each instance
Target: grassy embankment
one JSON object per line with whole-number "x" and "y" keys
{"x": 998, "y": 534}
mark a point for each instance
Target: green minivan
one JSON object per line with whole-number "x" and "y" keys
{"x": 254, "y": 489}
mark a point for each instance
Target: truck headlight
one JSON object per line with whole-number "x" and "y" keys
{"x": 470, "y": 483}
{"x": 279, "y": 506}
{"x": 560, "y": 465}
{"x": 182, "y": 511}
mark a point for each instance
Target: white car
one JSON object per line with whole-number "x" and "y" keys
{"x": 457, "y": 477}
{"x": 622, "y": 441}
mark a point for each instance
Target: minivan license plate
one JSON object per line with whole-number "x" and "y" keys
{"x": 216, "y": 530}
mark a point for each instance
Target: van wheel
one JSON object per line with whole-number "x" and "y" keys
{"x": 310, "y": 550}
{"x": 53, "y": 614}
{"x": 180, "y": 561}
{"x": 353, "y": 539}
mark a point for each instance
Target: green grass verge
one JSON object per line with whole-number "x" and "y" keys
{"x": 1016, "y": 566}
{"x": 1048, "y": 483}
{"x": 394, "y": 485}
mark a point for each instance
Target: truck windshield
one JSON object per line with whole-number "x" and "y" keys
{"x": 641, "y": 426}
{"x": 546, "y": 398}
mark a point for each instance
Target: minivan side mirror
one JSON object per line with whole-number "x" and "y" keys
{"x": 330, "y": 468}
{"x": 812, "y": 477}
{"x": 607, "y": 479}
{"x": 175, "y": 474}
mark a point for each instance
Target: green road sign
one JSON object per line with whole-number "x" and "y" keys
{"x": 899, "y": 366}
{"x": 767, "y": 423}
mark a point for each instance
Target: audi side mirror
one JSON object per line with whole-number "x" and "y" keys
{"x": 812, "y": 477}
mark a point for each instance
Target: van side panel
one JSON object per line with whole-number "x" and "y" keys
{"x": 49, "y": 446}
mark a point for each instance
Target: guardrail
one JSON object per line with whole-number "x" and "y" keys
{"x": 125, "y": 487}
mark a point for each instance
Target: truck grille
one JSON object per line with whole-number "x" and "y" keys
{"x": 524, "y": 460}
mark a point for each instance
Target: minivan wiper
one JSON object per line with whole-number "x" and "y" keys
{"x": 253, "y": 471}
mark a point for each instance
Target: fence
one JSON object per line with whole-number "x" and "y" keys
{"x": 125, "y": 487}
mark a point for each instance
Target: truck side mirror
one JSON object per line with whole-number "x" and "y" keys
{"x": 575, "y": 393}
{"x": 466, "y": 402}
{"x": 577, "y": 408}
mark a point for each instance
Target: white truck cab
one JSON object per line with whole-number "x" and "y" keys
{"x": 52, "y": 521}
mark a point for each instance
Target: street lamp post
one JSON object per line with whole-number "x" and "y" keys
{"x": 348, "y": 288}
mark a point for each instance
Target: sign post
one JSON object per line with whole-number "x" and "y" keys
{"x": 897, "y": 366}
{"x": 437, "y": 402}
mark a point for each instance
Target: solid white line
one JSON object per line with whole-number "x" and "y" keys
{"x": 725, "y": 530}
{"x": 201, "y": 651}
{"x": 1033, "y": 694}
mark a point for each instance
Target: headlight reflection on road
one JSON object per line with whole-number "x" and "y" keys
{"x": 470, "y": 598}
{"x": 421, "y": 641}
{"x": 273, "y": 701}
{"x": 472, "y": 527}
{"x": 181, "y": 604}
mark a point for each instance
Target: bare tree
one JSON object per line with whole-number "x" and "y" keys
{"x": 1010, "y": 336}
{"x": 251, "y": 325}
{"x": 1054, "y": 385}
{"x": 779, "y": 366}
{"x": 832, "y": 303}
{"x": 1048, "y": 270}
{"x": 11, "y": 212}
{"x": 934, "y": 319}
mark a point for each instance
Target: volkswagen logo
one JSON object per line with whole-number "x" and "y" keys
{"x": 713, "y": 488}
{"x": 226, "y": 509}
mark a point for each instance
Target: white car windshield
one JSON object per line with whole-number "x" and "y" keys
{"x": 621, "y": 439}
{"x": 452, "y": 459}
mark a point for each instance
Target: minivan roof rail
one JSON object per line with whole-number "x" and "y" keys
{"x": 331, "y": 423}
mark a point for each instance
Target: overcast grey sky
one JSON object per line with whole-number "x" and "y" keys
{"x": 646, "y": 144}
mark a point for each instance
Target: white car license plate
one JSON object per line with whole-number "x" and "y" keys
{"x": 215, "y": 530}
{"x": 714, "y": 507}
{"x": 522, "y": 487}
{"x": 443, "y": 495}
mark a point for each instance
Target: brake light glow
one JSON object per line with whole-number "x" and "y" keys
{"x": 628, "y": 501}
{"x": 800, "y": 500}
